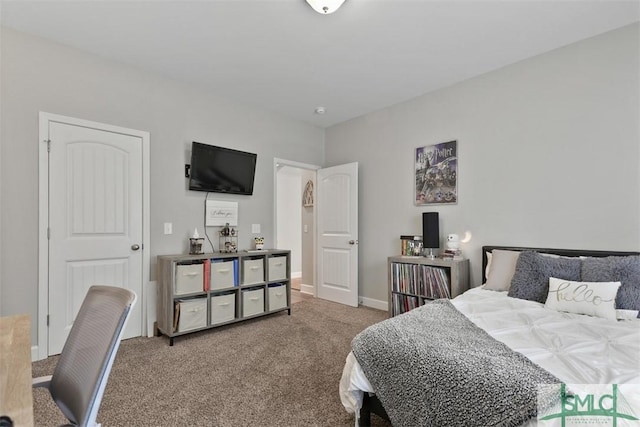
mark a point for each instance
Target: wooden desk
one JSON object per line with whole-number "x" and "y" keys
{"x": 16, "y": 398}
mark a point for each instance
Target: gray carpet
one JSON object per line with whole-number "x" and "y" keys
{"x": 277, "y": 370}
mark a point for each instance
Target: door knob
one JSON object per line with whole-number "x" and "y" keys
{"x": 135, "y": 247}
{"x": 353, "y": 242}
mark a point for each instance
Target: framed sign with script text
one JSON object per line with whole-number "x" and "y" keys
{"x": 220, "y": 213}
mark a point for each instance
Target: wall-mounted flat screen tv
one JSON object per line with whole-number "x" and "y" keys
{"x": 221, "y": 170}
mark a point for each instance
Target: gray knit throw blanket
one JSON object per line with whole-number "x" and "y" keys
{"x": 433, "y": 367}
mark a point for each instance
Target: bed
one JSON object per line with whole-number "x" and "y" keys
{"x": 526, "y": 320}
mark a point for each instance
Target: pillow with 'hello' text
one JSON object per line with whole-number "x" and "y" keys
{"x": 591, "y": 298}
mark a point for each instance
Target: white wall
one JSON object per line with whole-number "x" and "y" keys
{"x": 548, "y": 157}
{"x": 37, "y": 75}
{"x": 549, "y": 153}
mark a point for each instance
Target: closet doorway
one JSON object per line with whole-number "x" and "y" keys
{"x": 295, "y": 220}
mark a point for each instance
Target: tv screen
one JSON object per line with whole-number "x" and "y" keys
{"x": 221, "y": 170}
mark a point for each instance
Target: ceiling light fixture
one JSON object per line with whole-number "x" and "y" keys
{"x": 325, "y": 7}
{"x": 320, "y": 110}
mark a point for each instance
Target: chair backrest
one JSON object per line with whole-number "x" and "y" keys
{"x": 81, "y": 375}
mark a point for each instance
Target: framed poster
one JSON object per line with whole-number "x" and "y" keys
{"x": 436, "y": 176}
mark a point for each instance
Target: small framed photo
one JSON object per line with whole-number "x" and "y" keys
{"x": 436, "y": 179}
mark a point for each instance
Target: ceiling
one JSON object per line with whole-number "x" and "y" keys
{"x": 281, "y": 55}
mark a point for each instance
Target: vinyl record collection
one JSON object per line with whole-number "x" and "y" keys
{"x": 414, "y": 283}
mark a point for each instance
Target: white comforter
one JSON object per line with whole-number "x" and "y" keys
{"x": 577, "y": 349}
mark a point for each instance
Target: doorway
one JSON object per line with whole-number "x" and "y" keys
{"x": 295, "y": 220}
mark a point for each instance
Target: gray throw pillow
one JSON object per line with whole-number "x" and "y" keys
{"x": 531, "y": 279}
{"x": 624, "y": 269}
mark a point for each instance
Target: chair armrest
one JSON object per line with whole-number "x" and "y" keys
{"x": 41, "y": 382}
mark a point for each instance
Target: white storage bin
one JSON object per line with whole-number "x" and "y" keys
{"x": 189, "y": 279}
{"x": 191, "y": 314}
{"x": 277, "y": 268}
{"x": 223, "y": 308}
{"x": 222, "y": 274}
{"x": 277, "y": 297}
{"x": 252, "y": 271}
{"x": 252, "y": 302}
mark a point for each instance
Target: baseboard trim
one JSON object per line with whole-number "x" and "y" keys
{"x": 306, "y": 289}
{"x": 373, "y": 303}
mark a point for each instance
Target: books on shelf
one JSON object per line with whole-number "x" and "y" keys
{"x": 411, "y": 245}
{"x": 451, "y": 254}
{"x": 207, "y": 275}
{"x": 176, "y": 315}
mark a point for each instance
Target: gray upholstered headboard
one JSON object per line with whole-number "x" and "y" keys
{"x": 561, "y": 252}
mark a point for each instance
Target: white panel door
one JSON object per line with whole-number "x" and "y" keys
{"x": 95, "y": 221}
{"x": 337, "y": 202}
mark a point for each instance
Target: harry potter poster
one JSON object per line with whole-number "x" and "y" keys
{"x": 437, "y": 174}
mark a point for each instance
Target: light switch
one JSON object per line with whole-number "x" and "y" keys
{"x": 168, "y": 228}
{"x": 255, "y": 228}
{"x": 306, "y": 228}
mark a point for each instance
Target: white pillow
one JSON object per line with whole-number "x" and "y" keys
{"x": 488, "y": 267}
{"x": 626, "y": 314}
{"x": 590, "y": 298}
{"x": 503, "y": 265}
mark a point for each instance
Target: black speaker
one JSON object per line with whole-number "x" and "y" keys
{"x": 430, "y": 231}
